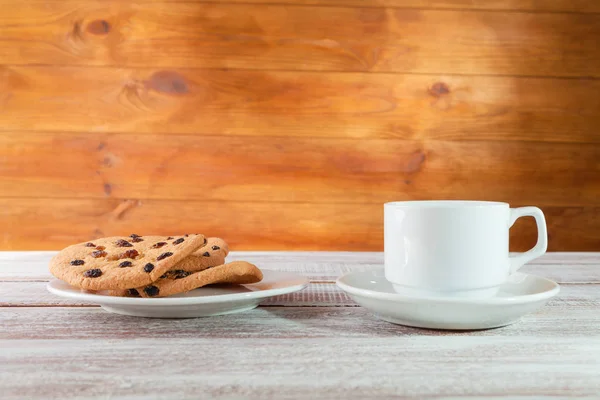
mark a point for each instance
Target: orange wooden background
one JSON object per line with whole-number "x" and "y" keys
{"x": 285, "y": 124}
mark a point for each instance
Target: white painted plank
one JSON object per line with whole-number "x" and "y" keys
{"x": 315, "y": 295}
{"x": 299, "y": 368}
{"x": 326, "y": 266}
{"x": 574, "y": 314}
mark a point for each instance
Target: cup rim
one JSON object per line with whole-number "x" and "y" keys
{"x": 444, "y": 204}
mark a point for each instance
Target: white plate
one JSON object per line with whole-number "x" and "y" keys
{"x": 521, "y": 295}
{"x": 202, "y": 302}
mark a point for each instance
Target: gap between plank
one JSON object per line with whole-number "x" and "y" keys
{"x": 43, "y": 132}
{"x": 332, "y": 5}
{"x": 321, "y": 282}
{"x": 306, "y": 71}
{"x": 97, "y": 306}
{"x": 462, "y": 9}
{"x": 182, "y": 200}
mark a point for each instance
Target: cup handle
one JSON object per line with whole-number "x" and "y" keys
{"x": 518, "y": 260}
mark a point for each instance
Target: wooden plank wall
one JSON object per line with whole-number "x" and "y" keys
{"x": 285, "y": 124}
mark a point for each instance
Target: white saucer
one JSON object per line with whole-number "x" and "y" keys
{"x": 202, "y": 302}
{"x": 521, "y": 295}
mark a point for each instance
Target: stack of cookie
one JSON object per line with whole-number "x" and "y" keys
{"x": 150, "y": 266}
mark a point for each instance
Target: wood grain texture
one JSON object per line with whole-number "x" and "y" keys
{"x": 584, "y": 6}
{"x": 298, "y": 104}
{"x": 312, "y": 111}
{"x": 320, "y": 38}
{"x": 298, "y": 351}
{"x": 42, "y": 224}
{"x": 321, "y": 266}
{"x": 292, "y": 169}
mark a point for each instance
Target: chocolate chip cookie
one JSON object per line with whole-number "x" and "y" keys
{"x": 213, "y": 253}
{"x": 122, "y": 262}
{"x": 179, "y": 281}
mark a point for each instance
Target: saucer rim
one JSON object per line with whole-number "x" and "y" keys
{"x": 398, "y": 297}
{"x": 183, "y": 301}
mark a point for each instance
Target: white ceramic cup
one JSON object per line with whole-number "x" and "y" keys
{"x": 453, "y": 248}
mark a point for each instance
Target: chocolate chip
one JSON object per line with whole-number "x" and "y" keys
{"x": 90, "y": 244}
{"x": 136, "y": 238}
{"x": 170, "y": 237}
{"x": 179, "y": 273}
{"x": 151, "y": 290}
{"x": 100, "y": 247}
{"x": 159, "y": 245}
{"x": 206, "y": 254}
{"x": 148, "y": 267}
{"x": 125, "y": 264}
{"x": 77, "y": 262}
{"x": 215, "y": 247}
{"x": 133, "y": 253}
{"x": 92, "y": 273}
{"x": 164, "y": 255}
{"x": 123, "y": 243}
{"x": 180, "y": 240}
{"x": 176, "y": 274}
{"x": 98, "y": 253}
{"x": 133, "y": 292}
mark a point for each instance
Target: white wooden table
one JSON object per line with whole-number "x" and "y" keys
{"x": 313, "y": 344}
